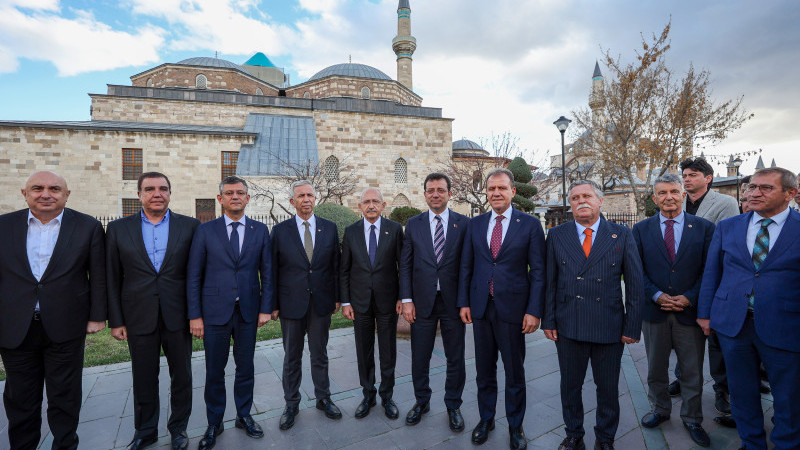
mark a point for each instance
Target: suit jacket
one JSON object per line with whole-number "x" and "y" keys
{"x": 136, "y": 292}
{"x": 299, "y": 281}
{"x": 716, "y": 207}
{"x": 679, "y": 278}
{"x": 72, "y": 289}
{"x": 584, "y": 296}
{"x": 730, "y": 277}
{"x": 359, "y": 280}
{"x": 419, "y": 269}
{"x": 518, "y": 270}
{"x": 214, "y": 279}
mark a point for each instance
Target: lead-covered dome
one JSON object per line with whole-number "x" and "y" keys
{"x": 212, "y": 62}
{"x": 351, "y": 70}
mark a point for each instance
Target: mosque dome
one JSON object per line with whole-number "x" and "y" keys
{"x": 203, "y": 61}
{"x": 351, "y": 70}
{"x": 465, "y": 147}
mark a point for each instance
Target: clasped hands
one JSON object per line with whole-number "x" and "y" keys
{"x": 674, "y": 303}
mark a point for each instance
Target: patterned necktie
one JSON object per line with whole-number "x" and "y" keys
{"x": 235, "y": 240}
{"x": 438, "y": 239}
{"x": 669, "y": 239}
{"x": 587, "y": 241}
{"x": 760, "y": 250}
{"x": 494, "y": 247}
{"x": 308, "y": 241}
{"x": 373, "y": 245}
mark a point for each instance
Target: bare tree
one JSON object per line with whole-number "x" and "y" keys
{"x": 468, "y": 177}
{"x": 503, "y": 145}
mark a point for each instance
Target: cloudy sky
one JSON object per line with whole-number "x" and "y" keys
{"x": 494, "y": 66}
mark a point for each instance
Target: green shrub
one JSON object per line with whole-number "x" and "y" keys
{"x": 521, "y": 170}
{"x": 522, "y": 203}
{"x": 342, "y": 216}
{"x": 403, "y": 213}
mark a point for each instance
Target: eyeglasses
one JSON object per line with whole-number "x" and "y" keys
{"x": 765, "y": 189}
{"x": 440, "y": 191}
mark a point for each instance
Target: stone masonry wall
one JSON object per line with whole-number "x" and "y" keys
{"x": 351, "y": 87}
{"x": 185, "y": 77}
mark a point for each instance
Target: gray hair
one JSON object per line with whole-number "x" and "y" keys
{"x": 597, "y": 189}
{"x": 788, "y": 179}
{"x": 232, "y": 180}
{"x": 669, "y": 178}
{"x": 370, "y": 189}
{"x": 498, "y": 171}
{"x": 299, "y": 183}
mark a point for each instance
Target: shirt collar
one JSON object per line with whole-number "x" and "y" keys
{"x": 778, "y": 219}
{"x": 165, "y": 220}
{"x": 228, "y": 220}
{"x": 593, "y": 227}
{"x": 312, "y": 221}
{"x": 678, "y": 219}
{"x": 444, "y": 215}
{"x": 377, "y": 224}
{"x": 56, "y": 220}
{"x": 699, "y": 200}
{"x": 507, "y": 214}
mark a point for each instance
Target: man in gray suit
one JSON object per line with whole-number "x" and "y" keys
{"x": 584, "y": 312}
{"x": 708, "y": 204}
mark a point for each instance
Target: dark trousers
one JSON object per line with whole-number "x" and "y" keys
{"x": 37, "y": 362}
{"x": 493, "y": 335}
{"x": 716, "y": 365}
{"x": 573, "y": 359}
{"x": 744, "y": 354}
{"x": 364, "y": 327}
{"x": 294, "y": 332}
{"x": 146, "y": 363}
{"x": 423, "y": 335}
{"x": 217, "y": 339}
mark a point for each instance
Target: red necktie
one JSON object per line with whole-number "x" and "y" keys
{"x": 669, "y": 239}
{"x": 494, "y": 245}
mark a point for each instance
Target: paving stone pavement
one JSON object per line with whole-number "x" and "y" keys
{"x": 107, "y": 413}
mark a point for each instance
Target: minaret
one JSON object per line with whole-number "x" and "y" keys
{"x": 597, "y": 100}
{"x": 404, "y": 44}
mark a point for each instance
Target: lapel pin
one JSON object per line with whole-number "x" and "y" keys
{"x": 690, "y": 225}
{"x": 613, "y": 236}
{"x": 385, "y": 232}
{"x": 517, "y": 220}
{"x": 251, "y": 227}
{"x": 319, "y": 230}
{"x": 455, "y": 225}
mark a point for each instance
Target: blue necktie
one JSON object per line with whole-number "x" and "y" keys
{"x": 760, "y": 251}
{"x": 438, "y": 239}
{"x": 235, "y": 240}
{"x": 373, "y": 245}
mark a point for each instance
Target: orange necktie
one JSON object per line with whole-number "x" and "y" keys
{"x": 587, "y": 242}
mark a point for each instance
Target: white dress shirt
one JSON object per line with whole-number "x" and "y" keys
{"x": 240, "y": 230}
{"x": 312, "y": 225}
{"x": 505, "y": 222}
{"x": 40, "y": 243}
{"x": 778, "y": 220}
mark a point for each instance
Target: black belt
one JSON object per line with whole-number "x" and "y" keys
{"x": 37, "y": 316}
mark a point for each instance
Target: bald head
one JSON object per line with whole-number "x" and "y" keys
{"x": 46, "y": 194}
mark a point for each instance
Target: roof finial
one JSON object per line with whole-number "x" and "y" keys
{"x": 350, "y": 58}
{"x": 216, "y": 55}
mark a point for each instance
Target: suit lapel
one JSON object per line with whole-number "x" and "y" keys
{"x": 790, "y": 228}
{"x": 297, "y": 240}
{"x": 319, "y": 232}
{"x": 133, "y": 226}
{"x": 222, "y": 234}
{"x": 601, "y": 244}
{"x": 572, "y": 243}
{"x": 249, "y": 237}
{"x": 64, "y": 237}
{"x": 449, "y": 238}
{"x": 383, "y": 239}
{"x": 658, "y": 238}
{"x": 20, "y": 242}
{"x": 511, "y": 233}
{"x": 740, "y": 237}
{"x": 687, "y": 237}
{"x": 175, "y": 232}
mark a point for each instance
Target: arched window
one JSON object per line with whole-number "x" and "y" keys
{"x": 149, "y": 82}
{"x": 399, "y": 201}
{"x": 331, "y": 168}
{"x": 365, "y": 92}
{"x": 259, "y": 91}
{"x": 306, "y": 94}
{"x": 400, "y": 171}
{"x": 200, "y": 81}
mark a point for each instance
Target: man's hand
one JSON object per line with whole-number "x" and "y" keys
{"x": 530, "y": 324}
{"x": 398, "y": 307}
{"x": 347, "y": 312}
{"x": 338, "y": 305}
{"x": 276, "y": 314}
{"x": 120, "y": 333}
{"x": 263, "y": 318}
{"x": 705, "y": 324}
{"x": 628, "y": 340}
{"x": 196, "y": 327}
{"x": 682, "y": 301}
{"x": 409, "y": 312}
{"x": 670, "y": 303}
{"x": 551, "y": 334}
{"x": 466, "y": 315}
{"x": 94, "y": 327}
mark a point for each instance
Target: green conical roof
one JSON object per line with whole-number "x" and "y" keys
{"x": 259, "y": 59}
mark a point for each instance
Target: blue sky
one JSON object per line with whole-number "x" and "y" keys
{"x": 505, "y": 65}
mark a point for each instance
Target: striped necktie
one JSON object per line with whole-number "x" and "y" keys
{"x": 669, "y": 239}
{"x": 438, "y": 239}
{"x": 760, "y": 250}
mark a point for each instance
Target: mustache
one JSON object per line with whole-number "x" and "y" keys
{"x": 583, "y": 206}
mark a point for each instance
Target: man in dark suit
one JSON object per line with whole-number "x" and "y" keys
{"x": 305, "y": 264}
{"x": 501, "y": 290}
{"x": 369, "y": 292}
{"x": 146, "y": 258}
{"x": 429, "y": 267}
{"x": 229, "y": 290}
{"x": 585, "y": 315}
{"x": 52, "y": 293}
{"x": 748, "y": 297}
{"x": 673, "y": 246}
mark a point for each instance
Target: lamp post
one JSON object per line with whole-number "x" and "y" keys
{"x": 736, "y": 163}
{"x": 562, "y": 123}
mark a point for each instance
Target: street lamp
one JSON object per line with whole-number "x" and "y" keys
{"x": 736, "y": 163}
{"x": 562, "y": 123}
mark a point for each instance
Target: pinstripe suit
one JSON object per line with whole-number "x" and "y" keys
{"x": 584, "y": 303}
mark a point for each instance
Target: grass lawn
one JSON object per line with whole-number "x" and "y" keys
{"x": 103, "y": 349}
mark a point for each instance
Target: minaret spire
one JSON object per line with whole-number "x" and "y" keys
{"x": 404, "y": 44}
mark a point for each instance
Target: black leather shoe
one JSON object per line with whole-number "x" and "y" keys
{"x": 517, "y": 438}
{"x": 390, "y": 409}
{"x": 415, "y": 414}
{"x": 250, "y": 427}
{"x": 455, "y": 419}
{"x": 140, "y": 443}
{"x": 603, "y": 446}
{"x": 722, "y": 403}
{"x": 363, "y": 407}
{"x": 210, "y": 438}
{"x": 698, "y": 434}
{"x": 331, "y": 410}
{"x": 674, "y": 388}
{"x": 725, "y": 421}
{"x": 764, "y": 388}
{"x": 180, "y": 441}
{"x": 572, "y": 443}
{"x": 653, "y": 419}
{"x": 287, "y": 418}
{"x": 481, "y": 432}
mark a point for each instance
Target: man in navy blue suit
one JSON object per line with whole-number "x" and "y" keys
{"x": 749, "y": 298}
{"x": 429, "y": 266}
{"x": 305, "y": 267}
{"x": 229, "y": 292}
{"x": 673, "y": 246}
{"x": 585, "y": 314}
{"x": 501, "y": 291}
